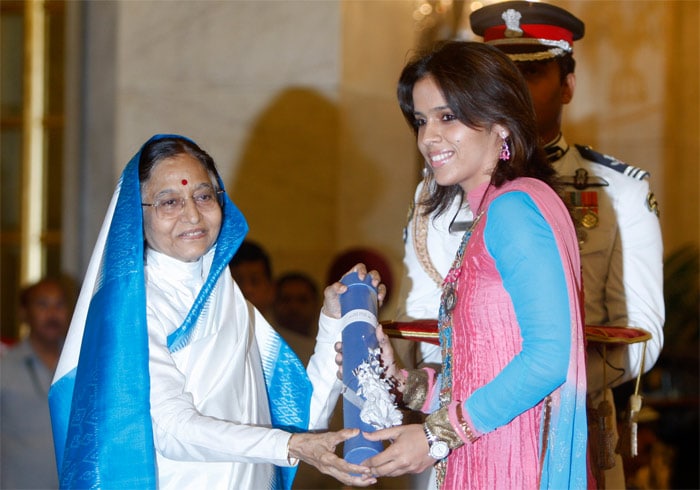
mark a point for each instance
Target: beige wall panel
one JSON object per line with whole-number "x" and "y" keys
{"x": 378, "y": 170}
{"x": 255, "y": 83}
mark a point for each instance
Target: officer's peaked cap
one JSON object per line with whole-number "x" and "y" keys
{"x": 528, "y": 31}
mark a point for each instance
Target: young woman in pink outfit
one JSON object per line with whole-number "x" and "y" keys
{"x": 507, "y": 410}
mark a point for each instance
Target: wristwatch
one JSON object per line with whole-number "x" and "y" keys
{"x": 437, "y": 449}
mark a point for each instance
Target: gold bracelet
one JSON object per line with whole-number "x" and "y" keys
{"x": 463, "y": 423}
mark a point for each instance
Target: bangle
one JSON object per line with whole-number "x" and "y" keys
{"x": 463, "y": 423}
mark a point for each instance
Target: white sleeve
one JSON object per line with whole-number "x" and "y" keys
{"x": 181, "y": 432}
{"x": 634, "y": 286}
{"x": 322, "y": 371}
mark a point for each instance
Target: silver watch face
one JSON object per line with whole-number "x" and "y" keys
{"x": 439, "y": 450}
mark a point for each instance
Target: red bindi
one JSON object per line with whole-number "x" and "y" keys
{"x": 184, "y": 181}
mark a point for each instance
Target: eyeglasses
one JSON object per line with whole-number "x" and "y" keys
{"x": 171, "y": 206}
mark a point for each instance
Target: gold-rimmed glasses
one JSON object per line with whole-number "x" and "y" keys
{"x": 170, "y": 206}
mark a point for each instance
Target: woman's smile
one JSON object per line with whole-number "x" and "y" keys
{"x": 439, "y": 159}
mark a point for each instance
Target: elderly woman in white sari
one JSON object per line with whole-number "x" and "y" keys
{"x": 169, "y": 378}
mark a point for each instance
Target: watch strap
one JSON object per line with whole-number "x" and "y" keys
{"x": 437, "y": 449}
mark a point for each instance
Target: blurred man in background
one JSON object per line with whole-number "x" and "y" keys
{"x": 26, "y": 371}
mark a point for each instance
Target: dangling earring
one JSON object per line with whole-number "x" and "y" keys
{"x": 505, "y": 150}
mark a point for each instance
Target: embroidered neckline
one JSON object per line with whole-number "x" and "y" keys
{"x": 448, "y": 301}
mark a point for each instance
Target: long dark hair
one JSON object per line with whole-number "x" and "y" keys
{"x": 483, "y": 87}
{"x": 160, "y": 148}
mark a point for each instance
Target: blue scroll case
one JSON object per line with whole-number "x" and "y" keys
{"x": 359, "y": 309}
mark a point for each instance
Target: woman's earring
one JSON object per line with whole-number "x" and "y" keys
{"x": 505, "y": 150}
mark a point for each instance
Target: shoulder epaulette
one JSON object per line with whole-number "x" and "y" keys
{"x": 590, "y": 154}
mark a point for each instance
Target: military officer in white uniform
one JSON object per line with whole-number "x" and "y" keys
{"x": 615, "y": 211}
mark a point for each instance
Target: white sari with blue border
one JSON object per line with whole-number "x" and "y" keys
{"x": 100, "y": 398}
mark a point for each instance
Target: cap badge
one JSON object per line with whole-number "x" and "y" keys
{"x": 512, "y": 19}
